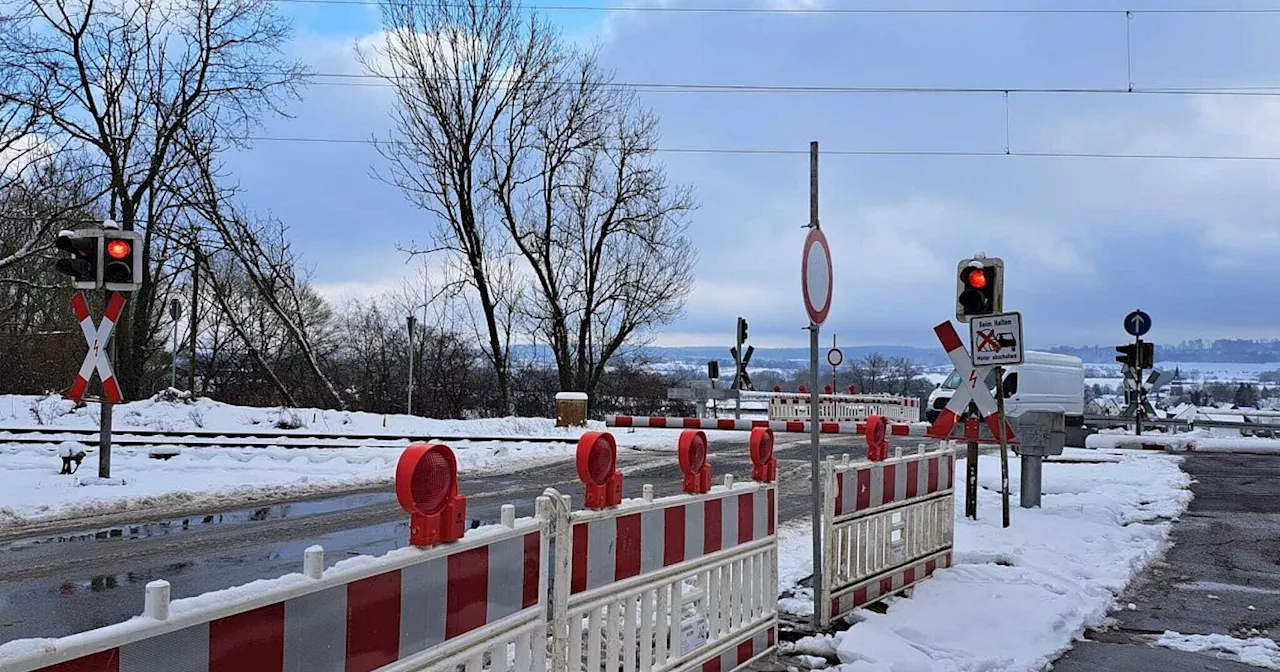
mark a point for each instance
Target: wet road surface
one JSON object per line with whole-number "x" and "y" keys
{"x": 58, "y": 584}
{"x": 1221, "y": 576}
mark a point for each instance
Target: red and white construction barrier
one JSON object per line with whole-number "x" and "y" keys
{"x": 790, "y": 426}
{"x": 675, "y": 584}
{"x": 451, "y": 605}
{"x": 887, "y": 525}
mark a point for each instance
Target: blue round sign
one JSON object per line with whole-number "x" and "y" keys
{"x": 1137, "y": 323}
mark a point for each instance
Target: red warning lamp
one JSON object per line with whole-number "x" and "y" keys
{"x": 877, "y": 444}
{"x": 827, "y": 389}
{"x": 597, "y": 468}
{"x": 977, "y": 278}
{"x": 118, "y": 249}
{"x": 853, "y": 389}
{"x": 427, "y": 488}
{"x": 764, "y": 466}
{"x": 693, "y": 462}
{"x": 777, "y": 388}
{"x": 803, "y": 389}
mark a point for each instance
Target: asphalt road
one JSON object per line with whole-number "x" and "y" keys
{"x": 1222, "y": 574}
{"x": 75, "y": 580}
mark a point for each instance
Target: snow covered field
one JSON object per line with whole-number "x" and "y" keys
{"x": 1016, "y": 598}
{"x": 31, "y": 490}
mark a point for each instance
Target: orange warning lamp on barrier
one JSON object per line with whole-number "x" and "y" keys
{"x": 803, "y": 390}
{"x": 427, "y": 488}
{"x": 597, "y": 467}
{"x": 764, "y": 466}
{"x": 877, "y": 444}
{"x": 853, "y": 389}
{"x": 826, "y": 389}
{"x": 693, "y": 462}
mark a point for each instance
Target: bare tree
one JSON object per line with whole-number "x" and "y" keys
{"x": 593, "y": 214}
{"x": 127, "y": 77}
{"x": 459, "y": 70}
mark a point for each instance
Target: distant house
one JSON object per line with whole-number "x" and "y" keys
{"x": 1105, "y": 404}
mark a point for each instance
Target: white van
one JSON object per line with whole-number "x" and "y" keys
{"x": 1043, "y": 382}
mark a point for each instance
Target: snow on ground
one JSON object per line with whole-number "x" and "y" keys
{"x": 1018, "y": 597}
{"x": 31, "y": 490}
{"x": 1257, "y": 651}
{"x": 1199, "y": 440}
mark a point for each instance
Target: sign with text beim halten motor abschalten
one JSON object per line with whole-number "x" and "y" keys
{"x": 996, "y": 340}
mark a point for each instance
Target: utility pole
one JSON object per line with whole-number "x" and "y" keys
{"x": 1004, "y": 447}
{"x": 175, "y": 312}
{"x": 409, "y": 404}
{"x": 195, "y": 315}
{"x": 815, "y": 456}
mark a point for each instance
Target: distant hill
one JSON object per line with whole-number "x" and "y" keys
{"x": 1235, "y": 351}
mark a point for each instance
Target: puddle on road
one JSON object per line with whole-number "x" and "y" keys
{"x": 194, "y": 523}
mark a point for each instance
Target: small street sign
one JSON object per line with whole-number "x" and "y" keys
{"x": 815, "y": 276}
{"x": 1137, "y": 323}
{"x": 996, "y": 339}
{"x": 835, "y": 357}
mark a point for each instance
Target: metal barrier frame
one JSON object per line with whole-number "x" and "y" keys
{"x": 629, "y": 624}
{"x": 844, "y": 407}
{"x": 872, "y": 552}
{"x": 518, "y": 640}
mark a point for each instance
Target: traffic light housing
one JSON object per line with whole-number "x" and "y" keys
{"x": 979, "y": 287}
{"x": 1146, "y": 355}
{"x": 121, "y": 260}
{"x": 1128, "y": 354}
{"x": 713, "y": 370}
{"x": 742, "y": 330}
{"x": 85, "y": 263}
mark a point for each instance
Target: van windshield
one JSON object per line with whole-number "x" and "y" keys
{"x": 953, "y": 380}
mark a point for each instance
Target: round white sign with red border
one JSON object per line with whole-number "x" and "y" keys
{"x": 815, "y": 276}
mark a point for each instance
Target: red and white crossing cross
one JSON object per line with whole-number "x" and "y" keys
{"x": 97, "y": 336}
{"x": 972, "y": 387}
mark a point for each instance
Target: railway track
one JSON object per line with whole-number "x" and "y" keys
{"x": 252, "y": 439}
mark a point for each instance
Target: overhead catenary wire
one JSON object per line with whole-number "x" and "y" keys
{"x": 924, "y": 153}
{"x": 709, "y": 9}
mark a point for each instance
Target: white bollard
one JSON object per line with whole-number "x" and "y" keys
{"x": 313, "y": 562}
{"x": 509, "y": 516}
{"x": 728, "y": 481}
{"x": 156, "y": 604}
{"x": 844, "y": 459}
{"x": 647, "y": 492}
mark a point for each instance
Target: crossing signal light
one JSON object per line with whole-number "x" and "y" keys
{"x": 122, "y": 262}
{"x": 1128, "y": 354}
{"x": 742, "y": 330}
{"x": 84, "y": 265}
{"x": 979, "y": 287}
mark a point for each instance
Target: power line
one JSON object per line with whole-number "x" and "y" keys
{"x": 691, "y": 88}
{"x": 842, "y": 10}
{"x": 940, "y": 153}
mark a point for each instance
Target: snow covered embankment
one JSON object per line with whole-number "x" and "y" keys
{"x": 1017, "y": 598}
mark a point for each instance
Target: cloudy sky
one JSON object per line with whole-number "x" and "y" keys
{"x": 1084, "y": 239}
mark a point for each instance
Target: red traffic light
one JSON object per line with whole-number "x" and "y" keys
{"x": 977, "y": 278}
{"x": 118, "y": 249}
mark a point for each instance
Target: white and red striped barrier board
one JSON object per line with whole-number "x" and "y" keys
{"x": 624, "y": 578}
{"x": 887, "y": 525}
{"x": 623, "y": 546}
{"x": 874, "y": 590}
{"x": 406, "y": 607}
{"x": 790, "y": 426}
{"x": 874, "y": 485}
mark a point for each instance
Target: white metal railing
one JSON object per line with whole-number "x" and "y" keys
{"x": 886, "y": 526}
{"x": 674, "y": 618}
{"x": 844, "y": 407}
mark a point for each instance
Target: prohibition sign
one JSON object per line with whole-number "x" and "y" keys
{"x": 815, "y": 276}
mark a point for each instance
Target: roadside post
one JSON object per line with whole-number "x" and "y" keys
{"x": 815, "y": 281}
{"x": 997, "y": 342}
{"x": 1136, "y": 357}
{"x": 1043, "y": 433}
